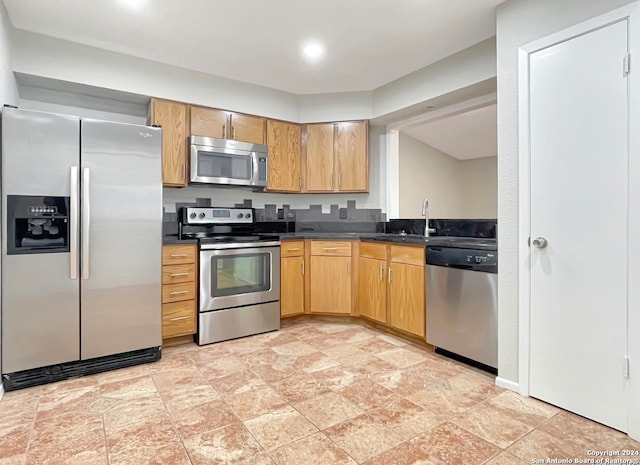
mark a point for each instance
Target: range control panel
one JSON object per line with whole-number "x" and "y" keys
{"x": 215, "y": 215}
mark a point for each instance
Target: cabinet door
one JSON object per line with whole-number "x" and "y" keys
{"x": 208, "y": 122}
{"x": 320, "y": 177}
{"x": 372, "y": 289}
{"x": 407, "y": 296}
{"x": 285, "y": 158}
{"x": 172, "y": 116}
{"x": 352, "y": 156}
{"x": 247, "y": 128}
{"x": 291, "y": 285}
{"x": 330, "y": 284}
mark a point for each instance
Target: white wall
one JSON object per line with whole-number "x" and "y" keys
{"x": 479, "y": 188}
{"x": 520, "y": 22}
{"x": 224, "y": 197}
{"x": 463, "y": 69}
{"x": 343, "y": 106}
{"x": 37, "y": 55}
{"x": 8, "y": 89}
{"x": 83, "y": 109}
{"x": 455, "y": 188}
{"x": 52, "y": 58}
{"x": 425, "y": 172}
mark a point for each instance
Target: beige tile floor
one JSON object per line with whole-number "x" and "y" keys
{"x": 313, "y": 393}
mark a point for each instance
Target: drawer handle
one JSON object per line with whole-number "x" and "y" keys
{"x": 174, "y": 275}
{"x": 293, "y": 249}
{"x": 330, "y": 248}
{"x": 179, "y": 318}
{"x": 179, "y": 254}
{"x": 177, "y": 292}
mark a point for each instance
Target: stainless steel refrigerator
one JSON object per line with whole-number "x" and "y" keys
{"x": 81, "y": 246}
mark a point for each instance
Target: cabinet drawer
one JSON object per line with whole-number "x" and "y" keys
{"x": 339, "y": 248}
{"x": 178, "y": 292}
{"x": 179, "y": 319}
{"x": 371, "y": 250}
{"x": 178, "y": 254}
{"x": 407, "y": 254}
{"x": 291, "y": 248}
{"x": 174, "y": 274}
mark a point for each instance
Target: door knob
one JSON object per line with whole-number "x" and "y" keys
{"x": 540, "y": 242}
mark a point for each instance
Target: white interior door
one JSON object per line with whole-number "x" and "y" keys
{"x": 579, "y": 203}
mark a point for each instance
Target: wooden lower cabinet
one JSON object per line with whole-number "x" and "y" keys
{"x": 179, "y": 290}
{"x": 391, "y": 286}
{"x": 407, "y": 298}
{"x": 330, "y": 284}
{"x": 291, "y": 285}
{"x": 372, "y": 288}
{"x": 178, "y": 319}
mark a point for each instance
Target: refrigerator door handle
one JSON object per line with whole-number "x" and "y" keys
{"x": 73, "y": 225}
{"x": 86, "y": 225}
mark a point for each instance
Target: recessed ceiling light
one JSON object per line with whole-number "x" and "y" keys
{"x": 136, "y": 5}
{"x": 313, "y": 50}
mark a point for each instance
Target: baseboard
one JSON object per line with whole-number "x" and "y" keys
{"x": 1, "y": 391}
{"x": 507, "y": 384}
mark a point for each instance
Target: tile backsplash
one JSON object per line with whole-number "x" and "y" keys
{"x": 314, "y": 218}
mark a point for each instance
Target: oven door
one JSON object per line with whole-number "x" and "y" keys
{"x": 238, "y": 277}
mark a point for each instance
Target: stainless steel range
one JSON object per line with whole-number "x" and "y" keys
{"x": 239, "y": 273}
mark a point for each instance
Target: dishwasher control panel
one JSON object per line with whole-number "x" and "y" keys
{"x": 468, "y": 259}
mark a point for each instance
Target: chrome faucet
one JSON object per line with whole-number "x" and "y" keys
{"x": 425, "y": 213}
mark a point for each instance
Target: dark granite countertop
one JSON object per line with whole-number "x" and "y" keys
{"x": 174, "y": 240}
{"x": 408, "y": 239}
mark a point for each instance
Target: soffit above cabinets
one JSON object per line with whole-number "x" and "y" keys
{"x": 468, "y": 135}
{"x": 368, "y": 43}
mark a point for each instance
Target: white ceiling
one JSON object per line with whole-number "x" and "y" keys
{"x": 368, "y": 42}
{"x": 473, "y": 134}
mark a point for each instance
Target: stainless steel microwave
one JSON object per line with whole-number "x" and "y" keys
{"x": 229, "y": 162}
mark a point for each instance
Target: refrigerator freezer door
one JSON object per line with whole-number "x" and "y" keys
{"x": 40, "y": 299}
{"x": 122, "y": 238}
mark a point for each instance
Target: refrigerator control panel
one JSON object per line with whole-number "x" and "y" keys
{"x": 37, "y": 224}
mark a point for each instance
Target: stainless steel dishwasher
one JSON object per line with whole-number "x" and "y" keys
{"x": 462, "y": 303}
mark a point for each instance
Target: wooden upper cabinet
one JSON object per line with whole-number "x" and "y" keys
{"x": 352, "y": 156}
{"x": 221, "y": 124}
{"x": 208, "y": 122}
{"x": 247, "y": 128}
{"x": 285, "y": 158}
{"x": 337, "y": 157}
{"x": 320, "y": 157}
{"x": 172, "y": 116}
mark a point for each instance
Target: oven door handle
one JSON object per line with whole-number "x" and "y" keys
{"x": 242, "y": 246}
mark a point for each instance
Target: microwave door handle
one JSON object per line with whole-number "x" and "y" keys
{"x": 255, "y": 166}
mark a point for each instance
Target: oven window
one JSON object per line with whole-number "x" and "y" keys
{"x": 220, "y": 165}
{"x": 240, "y": 274}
